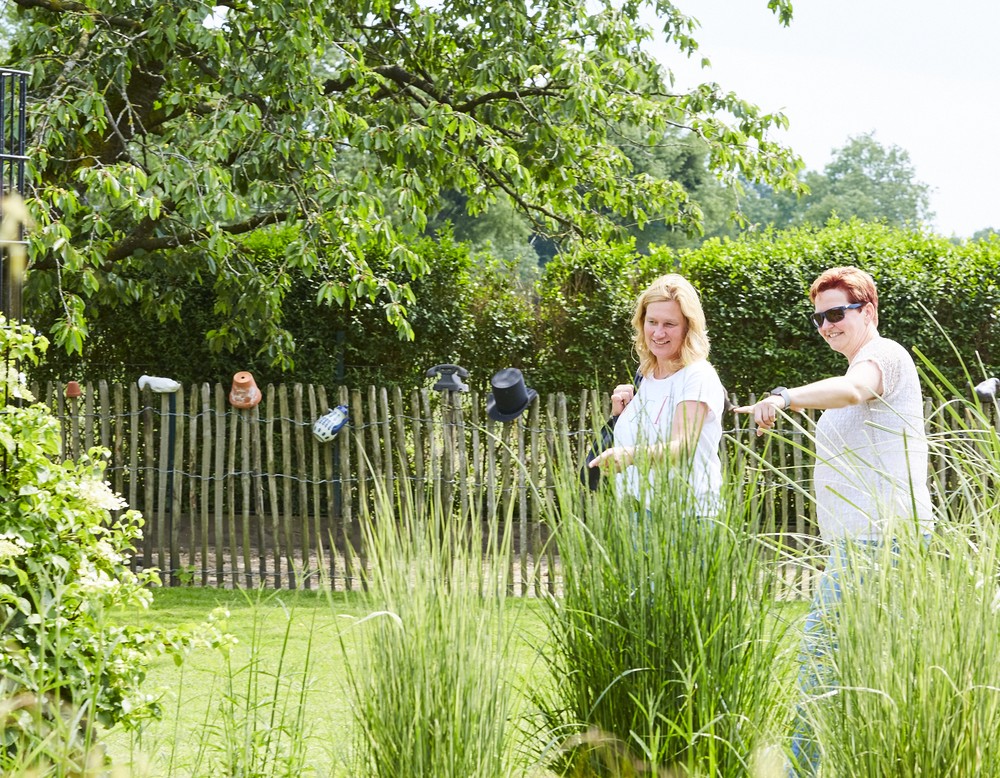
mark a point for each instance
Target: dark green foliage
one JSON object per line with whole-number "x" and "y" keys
{"x": 466, "y": 310}
{"x": 499, "y": 328}
{"x": 755, "y": 293}
{"x": 585, "y": 303}
{"x": 369, "y": 346}
{"x": 576, "y": 333}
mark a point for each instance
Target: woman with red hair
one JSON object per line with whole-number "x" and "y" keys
{"x": 870, "y": 473}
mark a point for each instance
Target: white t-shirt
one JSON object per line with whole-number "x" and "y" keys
{"x": 871, "y": 458}
{"x": 647, "y": 420}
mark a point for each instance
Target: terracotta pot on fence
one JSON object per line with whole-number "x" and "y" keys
{"x": 73, "y": 390}
{"x": 244, "y": 393}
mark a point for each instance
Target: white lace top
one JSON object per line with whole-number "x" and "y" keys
{"x": 871, "y": 466}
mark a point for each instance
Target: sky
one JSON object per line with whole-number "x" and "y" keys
{"x": 923, "y": 75}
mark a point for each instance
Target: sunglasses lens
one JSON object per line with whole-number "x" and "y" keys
{"x": 832, "y": 315}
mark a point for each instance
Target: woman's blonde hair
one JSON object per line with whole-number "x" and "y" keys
{"x": 665, "y": 288}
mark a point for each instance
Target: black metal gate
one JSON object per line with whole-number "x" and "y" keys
{"x": 13, "y": 247}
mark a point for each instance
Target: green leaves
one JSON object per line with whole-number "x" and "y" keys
{"x": 63, "y": 561}
{"x": 161, "y": 130}
{"x": 71, "y": 330}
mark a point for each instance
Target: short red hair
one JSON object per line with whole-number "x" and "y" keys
{"x": 859, "y": 286}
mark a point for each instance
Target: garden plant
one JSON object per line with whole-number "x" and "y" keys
{"x": 667, "y": 642}
{"x": 67, "y": 670}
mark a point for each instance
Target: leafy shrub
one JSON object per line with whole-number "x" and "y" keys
{"x": 574, "y": 334}
{"x": 499, "y": 324}
{"x": 64, "y": 562}
{"x": 583, "y": 337}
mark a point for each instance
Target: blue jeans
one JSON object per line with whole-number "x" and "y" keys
{"x": 815, "y": 669}
{"x": 819, "y": 641}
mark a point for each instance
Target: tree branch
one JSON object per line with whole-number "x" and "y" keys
{"x": 71, "y": 6}
{"x": 509, "y": 94}
{"x": 141, "y": 238}
{"x": 530, "y": 208}
{"x": 405, "y": 78}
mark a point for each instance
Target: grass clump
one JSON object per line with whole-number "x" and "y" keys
{"x": 917, "y": 690}
{"x": 665, "y": 639}
{"x": 918, "y": 632}
{"x": 432, "y": 687}
{"x": 258, "y": 725}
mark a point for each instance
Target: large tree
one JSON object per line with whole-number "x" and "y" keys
{"x": 863, "y": 180}
{"x": 162, "y": 131}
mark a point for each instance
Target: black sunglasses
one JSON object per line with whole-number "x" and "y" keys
{"x": 833, "y": 315}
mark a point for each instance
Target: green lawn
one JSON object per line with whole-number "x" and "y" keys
{"x": 295, "y": 632}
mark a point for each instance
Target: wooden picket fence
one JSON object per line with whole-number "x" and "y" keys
{"x": 250, "y": 498}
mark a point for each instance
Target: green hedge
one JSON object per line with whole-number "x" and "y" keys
{"x": 573, "y": 331}
{"x": 933, "y": 295}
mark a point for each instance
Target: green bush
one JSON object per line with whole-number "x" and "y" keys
{"x": 583, "y": 337}
{"x": 359, "y": 347}
{"x": 64, "y": 563}
{"x": 575, "y": 332}
{"x": 755, "y": 292}
{"x": 466, "y": 309}
{"x": 498, "y": 328}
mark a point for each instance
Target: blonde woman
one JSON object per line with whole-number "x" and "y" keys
{"x": 675, "y": 410}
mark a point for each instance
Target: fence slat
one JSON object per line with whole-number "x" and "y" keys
{"x": 232, "y": 425}
{"x": 149, "y": 480}
{"x": 271, "y": 468}
{"x": 71, "y": 406}
{"x": 522, "y": 497}
{"x": 242, "y": 416}
{"x": 532, "y": 582}
{"x": 193, "y": 515}
{"x": 105, "y": 415}
{"x": 375, "y": 450}
{"x": 133, "y": 458}
{"x": 348, "y": 524}
{"x": 294, "y": 571}
{"x": 88, "y": 417}
{"x": 448, "y": 453}
{"x": 405, "y": 488}
{"x": 462, "y": 435}
{"x": 316, "y": 478}
{"x": 358, "y": 434}
{"x": 419, "y": 453}
{"x": 302, "y": 474}
{"x": 206, "y": 476}
{"x": 218, "y": 410}
{"x": 117, "y": 463}
{"x": 175, "y": 484}
{"x": 328, "y": 461}
{"x": 386, "y": 428}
